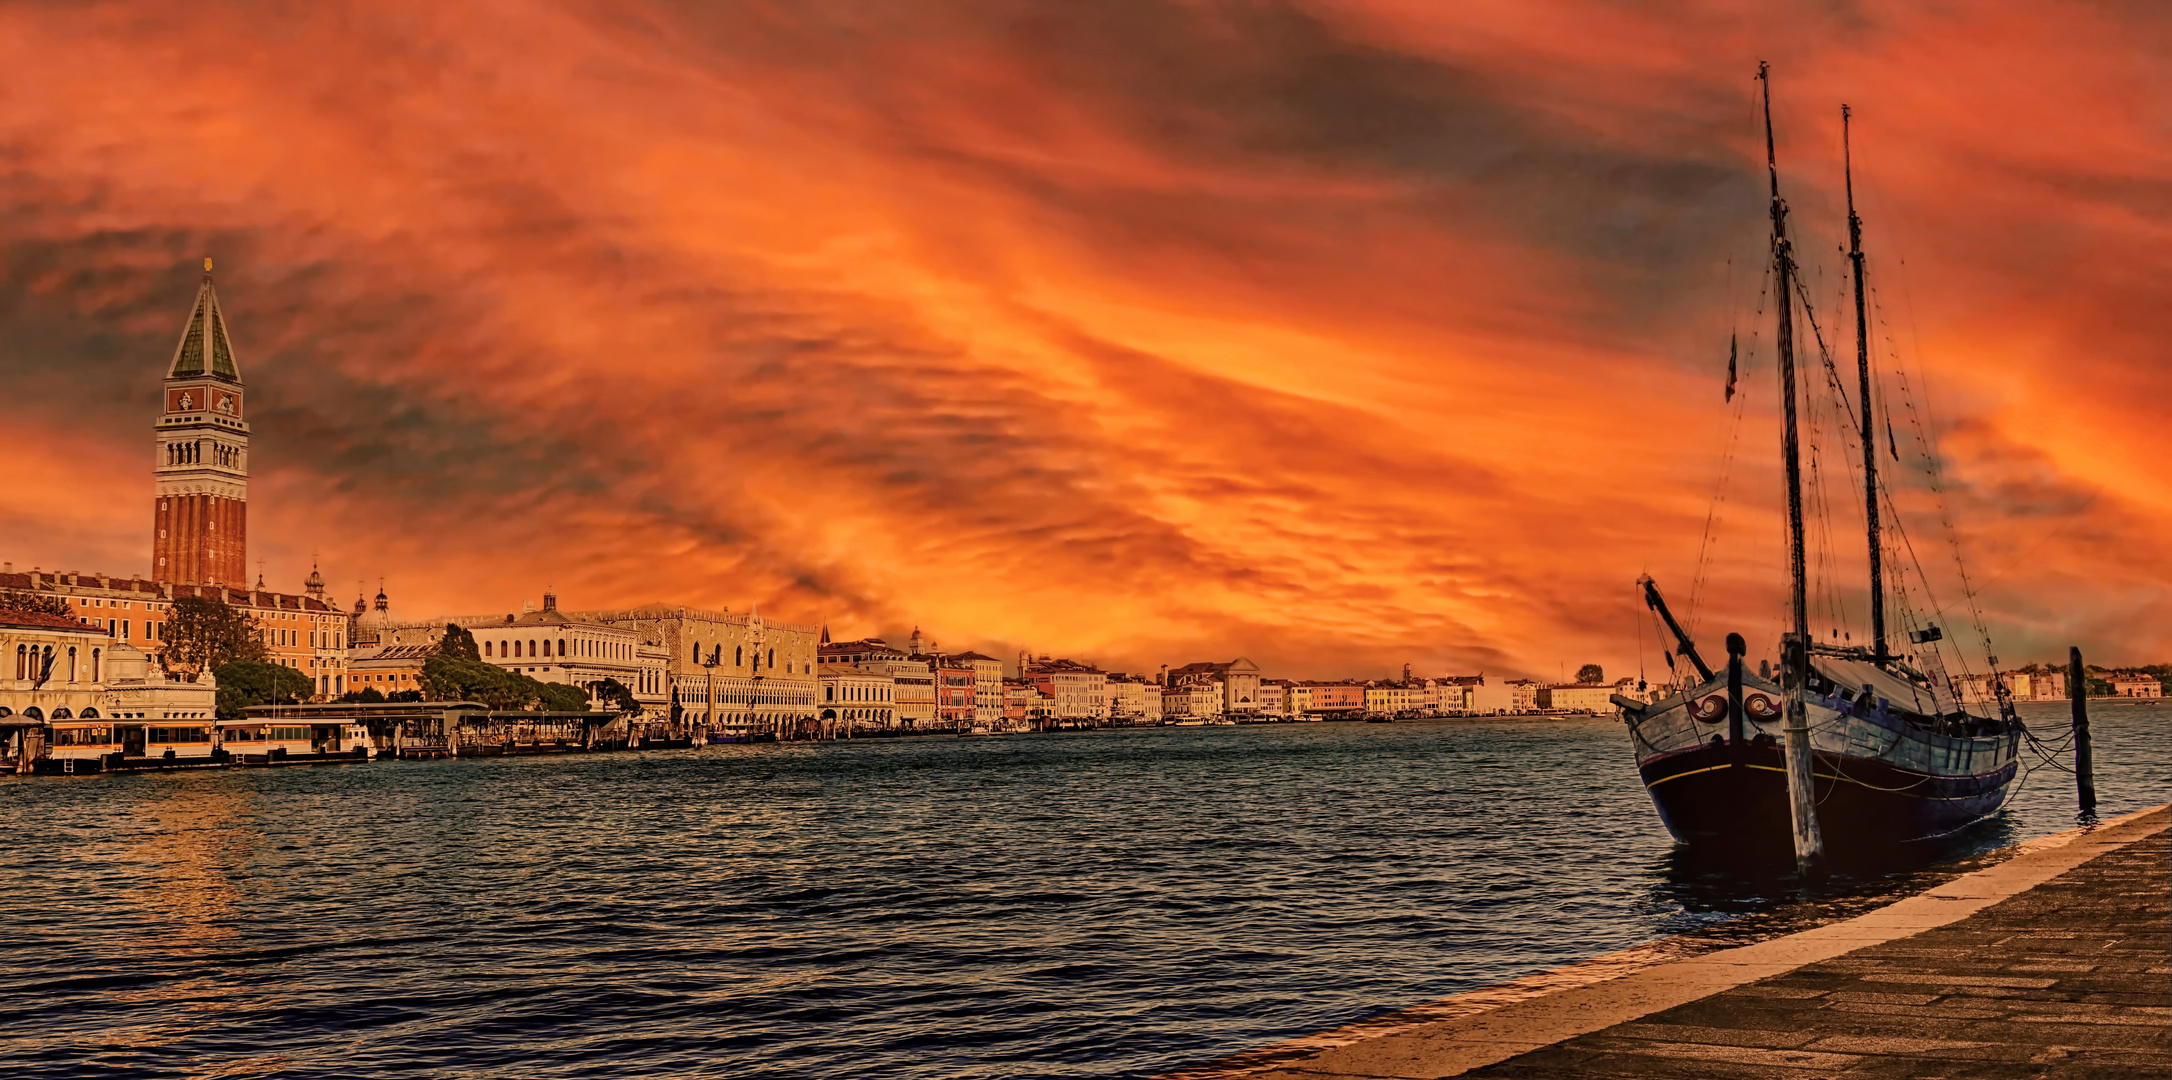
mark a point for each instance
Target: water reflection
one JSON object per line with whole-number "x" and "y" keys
{"x": 187, "y": 848}
{"x": 1094, "y": 904}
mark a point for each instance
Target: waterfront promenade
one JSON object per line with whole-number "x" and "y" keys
{"x": 2052, "y": 962}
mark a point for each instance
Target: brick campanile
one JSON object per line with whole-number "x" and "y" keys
{"x": 200, "y": 520}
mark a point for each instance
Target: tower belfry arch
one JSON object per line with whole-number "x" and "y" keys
{"x": 200, "y": 520}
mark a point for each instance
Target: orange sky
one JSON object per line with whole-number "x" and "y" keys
{"x": 1341, "y": 335}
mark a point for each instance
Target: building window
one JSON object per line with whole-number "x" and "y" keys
{"x": 486, "y": 648}
{"x": 561, "y": 646}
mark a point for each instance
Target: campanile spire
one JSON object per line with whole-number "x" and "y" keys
{"x": 200, "y": 525}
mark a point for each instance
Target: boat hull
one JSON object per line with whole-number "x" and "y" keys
{"x": 1879, "y": 778}
{"x": 1736, "y": 796}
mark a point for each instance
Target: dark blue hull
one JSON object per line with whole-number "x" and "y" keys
{"x": 1720, "y": 795}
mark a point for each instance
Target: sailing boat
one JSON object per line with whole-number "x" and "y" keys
{"x": 1847, "y": 743}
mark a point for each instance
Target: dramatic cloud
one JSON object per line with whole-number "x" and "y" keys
{"x": 1337, "y": 334}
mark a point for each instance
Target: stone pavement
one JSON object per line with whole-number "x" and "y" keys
{"x": 2072, "y": 978}
{"x": 2053, "y": 962}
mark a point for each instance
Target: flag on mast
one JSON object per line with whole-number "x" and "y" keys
{"x": 1730, "y": 367}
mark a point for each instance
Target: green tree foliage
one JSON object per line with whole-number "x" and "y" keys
{"x": 42, "y": 603}
{"x": 1591, "y": 673}
{"x": 458, "y": 644}
{"x": 243, "y": 683}
{"x": 368, "y": 695}
{"x": 204, "y": 635}
{"x": 447, "y": 678}
{"x": 614, "y": 693}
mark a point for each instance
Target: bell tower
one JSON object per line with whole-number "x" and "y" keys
{"x": 200, "y": 521}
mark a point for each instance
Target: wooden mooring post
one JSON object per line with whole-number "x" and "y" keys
{"x": 2077, "y": 691}
{"x": 1802, "y": 797}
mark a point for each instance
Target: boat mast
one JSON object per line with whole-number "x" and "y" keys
{"x": 1802, "y": 803}
{"x": 1878, "y": 655}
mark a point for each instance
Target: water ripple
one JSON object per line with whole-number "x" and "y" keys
{"x": 1093, "y": 904}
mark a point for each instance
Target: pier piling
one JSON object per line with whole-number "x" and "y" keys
{"x": 2077, "y": 691}
{"x": 1801, "y": 790}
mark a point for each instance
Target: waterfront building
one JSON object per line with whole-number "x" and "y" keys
{"x": 549, "y": 645}
{"x": 1192, "y": 696}
{"x": 955, "y": 705}
{"x": 987, "y": 687}
{"x": 1128, "y": 696}
{"x": 1239, "y": 679}
{"x": 2135, "y": 686}
{"x": 1335, "y": 700}
{"x": 1457, "y": 694}
{"x": 389, "y": 669}
{"x": 1524, "y": 695}
{"x": 726, "y": 670}
{"x": 2047, "y": 685}
{"x": 1024, "y": 705}
{"x": 1387, "y": 697}
{"x": 1595, "y": 698}
{"x": 913, "y": 692}
{"x": 76, "y": 695}
{"x": 855, "y": 699}
{"x": 1296, "y": 697}
{"x": 299, "y": 631}
{"x": 1079, "y": 691}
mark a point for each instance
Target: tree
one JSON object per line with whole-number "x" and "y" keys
{"x": 448, "y": 678}
{"x": 614, "y": 693}
{"x": 1591, "y": 673}
{"x": 243, "y": 683}
{"x": 458, "y": 644}
{"x": 42, "y": 603}
{"x": 368, "y": 695}
{"x": 561, "y": 697}
{"x": 204, "y": 635}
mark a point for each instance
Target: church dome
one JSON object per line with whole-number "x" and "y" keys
{"x": 126, "y": 663}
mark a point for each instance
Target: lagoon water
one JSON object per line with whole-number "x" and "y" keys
{"x": 1112, "y": 903}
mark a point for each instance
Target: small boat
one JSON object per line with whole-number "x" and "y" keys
{"x": 979, "y": 731}
{"x": 1851, "y": 746}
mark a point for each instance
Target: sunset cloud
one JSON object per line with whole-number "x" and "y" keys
{"x": 1340, "y": 335}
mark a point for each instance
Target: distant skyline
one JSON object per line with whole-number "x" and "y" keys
{"x": 1337, "y": 335}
